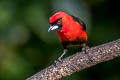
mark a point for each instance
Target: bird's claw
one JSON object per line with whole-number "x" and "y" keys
{"x": 85, "y": 49}
{"x": 57, "y": 61}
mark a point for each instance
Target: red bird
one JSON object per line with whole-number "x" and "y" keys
{"x": 70, "y": 29}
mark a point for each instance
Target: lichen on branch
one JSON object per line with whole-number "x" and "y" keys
{"x": 79, "y": 61}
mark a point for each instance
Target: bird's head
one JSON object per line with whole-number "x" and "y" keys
{"x": 57, "y": 20}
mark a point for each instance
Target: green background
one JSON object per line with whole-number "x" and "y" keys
{"x": 26, "y": 47}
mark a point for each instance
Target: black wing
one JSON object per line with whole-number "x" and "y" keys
{"x": 79, "y": 21}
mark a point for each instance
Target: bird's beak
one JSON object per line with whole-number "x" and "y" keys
{"x": 53, "y": 27}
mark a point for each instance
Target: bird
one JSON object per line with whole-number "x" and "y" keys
{"x": 70, "y": 29}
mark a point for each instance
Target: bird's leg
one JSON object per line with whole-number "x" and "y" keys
{"x": 59, "y": 59}
{"x": 64, "y": 52}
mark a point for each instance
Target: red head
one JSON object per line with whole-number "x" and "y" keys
{"x": 58, "y": 20}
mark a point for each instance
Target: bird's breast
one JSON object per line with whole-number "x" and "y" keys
{"x": 72, "y": 33}
{"x": 72, "y": 37}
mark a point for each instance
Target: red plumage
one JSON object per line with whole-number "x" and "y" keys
{"x": 71, "y": 30}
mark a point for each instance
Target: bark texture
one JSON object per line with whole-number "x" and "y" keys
{"x": 79, "y": 61}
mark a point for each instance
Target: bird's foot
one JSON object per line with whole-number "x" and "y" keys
{"x": 85, "y": 48}
{"x": 86, "y": 52}
{"x": 57, "y": 61}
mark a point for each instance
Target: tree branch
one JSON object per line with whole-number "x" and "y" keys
{"x": 79, "y": 61}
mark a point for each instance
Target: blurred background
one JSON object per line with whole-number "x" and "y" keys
{"x": 26, "y": 47}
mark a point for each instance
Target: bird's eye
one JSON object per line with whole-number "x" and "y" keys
{"x": 59, "y": 22}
